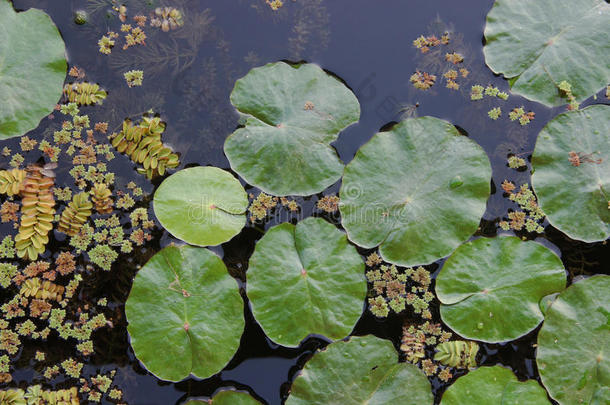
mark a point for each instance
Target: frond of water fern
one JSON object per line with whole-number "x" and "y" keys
{"x": 75, "y": 214}
{"x": 457, "y": 353}
{"x": 84, "y": 93}
{"x": 44, "y": 290}
{"x": 11, "y": 181}
{"x": 102, "y": 198}
{"x": 37, "y": 214}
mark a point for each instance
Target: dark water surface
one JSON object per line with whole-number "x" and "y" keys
{"x": 189, "y": 74}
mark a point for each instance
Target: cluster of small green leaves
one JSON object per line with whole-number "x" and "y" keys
{"x": 477, "y": 92}
{"x": 518, "y": 113}
{"x": 566, "y": 91}
{"x": 516, "y": 162}
{"x": 415, "y": 343}
{"x": 263, "y": 204}
{"x": 529, "y": 217}
{"x": 394, "y": 289}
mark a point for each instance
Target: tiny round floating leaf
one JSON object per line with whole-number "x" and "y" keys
{"x": 306, "y": 279}
{"x": 363, "y": 370}
{"x": 490, "y": 288}
{"x": 574, "y": 344}
{"x": 293, "y": 113}
{"x": 32, "y": 69}
{"x": 184, "y": 313}
{"x": 538, "y": 44}
{"x": 571, "y": 176}
{"x": 418, "y": 190}
{"x": 202, "y": 206}
{"x": 494, "y": 385}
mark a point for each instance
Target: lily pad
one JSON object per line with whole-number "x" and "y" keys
{"x": 293, "y": 113}
{"x": 185, "y": 314}
{"x": 227, "y": 397}
{"x": 418, "y": 190}
{"x": 490, "y": 288}
{"x": 571, "y": 176}
{"x": 363, "y": 370}
{"x": 203, "y": 206}
{"x": 537, "y": 45}
{"x": 494, "y": 385}
{"x": 32, "y": 69}
{"x": 306, "y": 279}
{"x": 574, "y": 344}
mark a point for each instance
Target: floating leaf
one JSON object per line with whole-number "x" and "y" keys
{"x": 419, "y": 190}
{"x": 489, "y": 289}
{"x": 494, "y": 385}
{"x": 227, "y": 397}
{"x": 33, "y": 68}
{"x": 201, "y": 205}
{"x": 571, "y": 176}
{"x": 363, "y": 370}
{"x": 185, "y": 314}
{"x": 306, "y": 279}
{"x": 293, "y": 113}
{"x": 574, "y": 344}
{"x": 537, "y": 45}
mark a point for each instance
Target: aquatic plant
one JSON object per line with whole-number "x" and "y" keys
{"x": 361, "y": 370}
{"x": 75, "y": 214}
{"x": 199, "y": 342}
{"x": 416, "y": 342}
{"x": 457, "y": 353}
{"x": 527, "y": 43}
{"x": 292, "y": 138}
{"x": 530, "y": 216}
{"x": 475, "y": 293}
{"x": 406, "y": 181}
{"x": 325, "y": 275}
{"x": 495, "y": 385}
{"x": 134, "y": 77}
{"x": 203, "y": 206}
{"x": 84, "y": 93}
{"x": 11, "y": 181}
{"x": 574, "y": 194}
{"x": 37, "y": 213}
{"x": 166, "y": 18}
{"x": 143, "y": 144}
{"x": 328, "y": 203}
{"x": 32, "y": 83}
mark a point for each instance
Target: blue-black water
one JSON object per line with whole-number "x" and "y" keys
{"x": 189, "y": 74}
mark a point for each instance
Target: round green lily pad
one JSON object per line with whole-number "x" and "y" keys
{"x": 363, "y": 370}
{"x": 494, "y": 385}
{"x": 185, "y": 314}
{"x": 32, "y": 69}
{"x": 538, "y": 44}
{"x": 306, "y": 279}
{"x": 490, "y": 288}
{"x": 202, "y": 206}
{"x": 574, "y": 344}
{"x": 571, "y": 176}
{"x": 418, "y": 190}
{"x": 227, "y": 397}
{"x": 293, "y": 113}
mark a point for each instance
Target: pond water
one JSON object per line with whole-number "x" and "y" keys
{"x": 189, "y": 75}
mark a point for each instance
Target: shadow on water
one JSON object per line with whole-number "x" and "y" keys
{"x": 189, "y": 75}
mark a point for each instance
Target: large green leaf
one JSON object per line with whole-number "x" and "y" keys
{"x": 202, "y": 206}
{"x": 574, "y": 344}
{"x": 306, "y": 279}
{"x": 538, "y": 44}
{"x": 185, "y": 314}
{"x": 293, "y": 114}
{"x": 419, "y": 190}
{"x": 32, "y": 69}
{"x": 363, "y": 370}
{"x": 489, "y": 289}
{"x": 575, "y": 198}
{"x": 494, "y": 385}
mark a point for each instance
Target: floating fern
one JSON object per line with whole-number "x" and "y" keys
{"x": 75, "y": 215}
{"x": 37, "y": 213}
{"x": 143, "y": 145}
{"x": 84, "y": 93}
{"x": 11, "y": 181}
{"x": 457, "y": 353}
{"x": 44, "y": 290}
{"x": 102, "y": 198}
